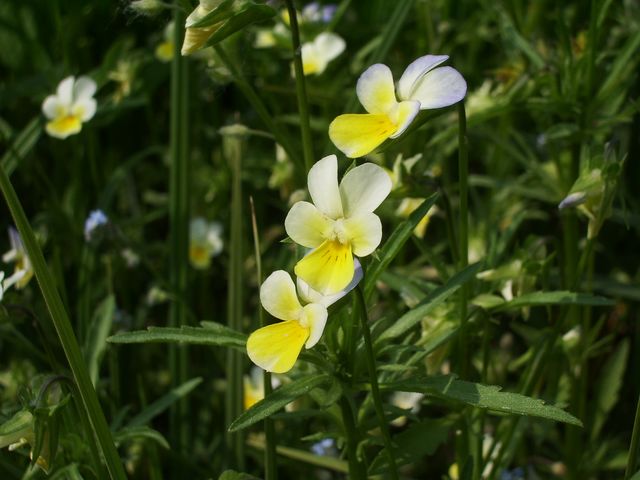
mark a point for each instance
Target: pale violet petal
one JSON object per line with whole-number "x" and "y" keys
{"x": 84, "y": 88}
{"x": 309, "y": 295}
{"x": 364, "y": 188}
{"x": 315, "y": 318}
{"x": 65, "y": 91}
{"x": 322, "y": 182}
{"x": 439, "y": 88}
{"x": 415, "y": 71}
{"x": 403, "y": 115}
{"x": 375, "y": 89}
{"x": 306, "y": 225}
{"x": 278, "y": 296}
{"x": 365, "y": 233}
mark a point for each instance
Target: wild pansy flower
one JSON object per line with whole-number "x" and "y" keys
{"x": 205, "y": 242}
{"x": 423, "y": 86}
{"x": 71, "y": 106}
{"x": 275, "y": 348}
{"x": 316, "y": 55}
{"x": 23, "y": 270}
{"x": 339, "y": 224}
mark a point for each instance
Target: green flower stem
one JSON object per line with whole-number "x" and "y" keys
{"x": 357, "y": 470}
{"x": 633, "y": 448}
{"x": 301, "y": 90}
{"x": 256, "y": 102}
{"x": 375, "y": 390}
{"x": 90, "y": 403}
{"x": 233, "y": 151}
{"x": 178, "y": 227}
{"x": 270, "y": 467}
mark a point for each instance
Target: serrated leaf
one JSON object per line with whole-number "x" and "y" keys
{"x": 431, "y": 301}
{"x": 394, "y": 243}
{"x": 608, "y": 386}
{"x": 251, "y": 14}
{"x": 129, "y": 433}
{"x": 418, "y": 440}
{"x": 99, "y": 330}
{"x": 277, "y": 400}
{"x": 164, "y": 402}
{"x": 554, "y": 298}
{"x": 488, "y": 397}
{"x": 213, "y": 334}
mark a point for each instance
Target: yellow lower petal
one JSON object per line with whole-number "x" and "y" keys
{"x": 328, "y": 268}
{"x": 199, "y": 256}
{"x": 359, "y": 134}
{"x": 62, "y": 127}
{"x": 275, "y": 348}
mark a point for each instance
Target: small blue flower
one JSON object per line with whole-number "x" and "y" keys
{"x": 325, "y": 447}
{"x": 96, "y": 219}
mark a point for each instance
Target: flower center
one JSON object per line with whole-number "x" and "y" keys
{"x": 339, "y": 233}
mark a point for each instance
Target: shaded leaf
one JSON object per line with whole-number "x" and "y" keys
{"x": 554, "y": 298}
{"x": 129, "y": 433}
{"x": 212, "y": 334}
{"x": 95, "y": 343}
{"x": 251, "y": 14}
{"x": 164, "y": 402}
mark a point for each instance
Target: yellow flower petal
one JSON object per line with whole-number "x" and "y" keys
{"x": 359, "y": 134}
{"x": 328, "y": 268}
{"x": 278, "y": 296}
{"x": 275, "y": 348}
{"x": 62, "y": 127}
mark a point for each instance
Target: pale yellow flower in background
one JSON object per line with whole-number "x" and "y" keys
{"x": 275, "y": 348}
{"x": 164, "y": 50}
{"x": 205, "y": 242}
{"x": 408, "y": 206}
{"x": 316, "y": 55}
{"x": 196, "y": 37}
{"x": 268, "y": 37}
{"x": 405, "y": 401}
{"x": 423, "y": 85}
{"x": 253, "y": 387}
{"x": 23, "y": 270}
{"x": 339, "y": 224}
{"x": 71, "y": 106}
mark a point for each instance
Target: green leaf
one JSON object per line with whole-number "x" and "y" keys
{"x": 20, "y": 425}
{"x": 278, "y": 399}
{"x": 608, "y": 386}
{"x": 636, "y": 476}
{"x": 488, "y": 397}
{"x": 431, "y": 301}
{"x": 233, "y": 475}
{"x": 418, "y": 440}
{"x": 212, "y": 334}
{"x": 129, "y": 433}
{"x": 218, "y": 14}
{"x": 22, "y": 145}
{"x": 554, "y": 298}
{"x": 164, "y": 402}
{"x": 95, "y": 343}
{"x": 392, "y": 246}
{"x": 252, "y": 14}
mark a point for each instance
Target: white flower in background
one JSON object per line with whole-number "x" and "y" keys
{"x": 94, "y": 221}
{"x": 131, "y": 258}
{"x": 268, "y": 37}
{"x": 147, "y": 7}
{"x": 406, "y": 401}
{"x": 71, "y": 106}
{"x": 17, "y": 254}
{"x": 253, "y": 386}
{"x": 205, "y": 242}
{"x": 408, "y": 206}
{"x": 316, "y": 55}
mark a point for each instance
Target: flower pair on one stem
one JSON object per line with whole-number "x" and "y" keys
{"x": 422, "y": 86}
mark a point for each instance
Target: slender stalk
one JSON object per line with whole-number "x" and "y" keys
{"x": 301, "y": 90}
{"x": 233, "y": 145}
{"x": 633, "y": 448}
{"x": 67, "y": 339}
{"x": 357, "y": 470}
{"x": 178, "y": 226}
{"x": 270, "y": 467}
{"x": 463, "y": 235}
{"x": 375, "y": 390}
{"x": 258, "y": 105}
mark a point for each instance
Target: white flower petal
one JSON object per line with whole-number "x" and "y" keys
{"x": 306, "y": 225}
{"x": 440, "y": 87}
{"x": 415, "y": 71}
{"x": 375, "y": 89}
{"x": 404, "y": 113}
{"x": 65, "y": 91}
{"x": 330, "y": 44}
{"x": 52, "y": 108}
{"x": 84, "y": 88}
{"x": 278, "y": 296}
{"x": 84, "y": 109}
{"x": 314, "y": 61}
{"x": 364, "y": 188}
{"x": 322, "y": 182}
{"x": 309, "y": 295}
{"x": 365, "y": 233}
{"x": 315, "y": 317}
